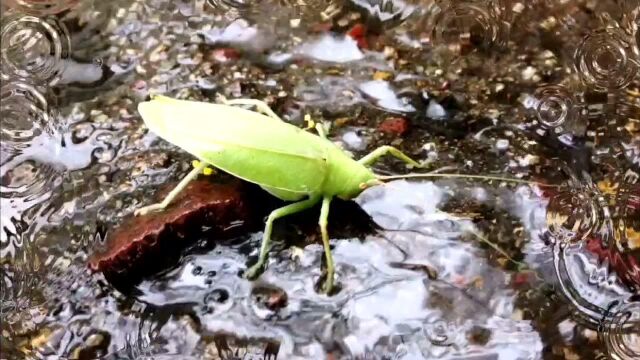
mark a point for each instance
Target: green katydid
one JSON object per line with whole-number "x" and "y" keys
{"x": 285, "y": 160}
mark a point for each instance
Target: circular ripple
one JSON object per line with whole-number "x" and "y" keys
{"x": 25, "y": 115}
{"x": 573, "y": 215}
{"x": 621, "y": 332}
{"x": 28, "y": 180}
{"x": 465, "y": 25}
{"x": 34, "y": 48}
{"x": 555, "y": 105}
{"x": 41, "y": 7}
{"x": 604, "y": 60}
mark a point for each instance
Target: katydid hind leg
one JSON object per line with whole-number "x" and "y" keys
{"x": 290, "y": 209}
{"x": 384, "y": 150}
{"x": 260, "y": 105}
{"x": 327, "y": 287}
{"x": 173, "y": 193}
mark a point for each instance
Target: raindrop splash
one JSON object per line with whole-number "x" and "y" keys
{"x": 41, "y": 7}
{"x": 467, "y": 25}
{"x": 621, "y": 331}
{"x": 555, "y": 106}
{"x": 34, "y": 48}
{"x": 604, "y": 60}
{"x": 25, "y": 115}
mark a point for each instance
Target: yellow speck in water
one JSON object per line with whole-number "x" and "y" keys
{"x": 633, "y": 237}
{"x": 381, "y": 75}
{"x": 607, "y": 187}
{"x": 310, "y": 123}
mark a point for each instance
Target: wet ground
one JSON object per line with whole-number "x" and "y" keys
{"x": 439, "y": 268}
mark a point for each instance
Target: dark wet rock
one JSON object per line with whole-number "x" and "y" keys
{"x": 150, "y": 243}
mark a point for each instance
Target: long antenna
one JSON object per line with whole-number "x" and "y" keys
{"x": 464, "y": 176}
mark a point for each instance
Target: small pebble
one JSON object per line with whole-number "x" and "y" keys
{"x": 502, "y": 144}
{"x": 353, "y": 141}
{"x": 436, "y": 111}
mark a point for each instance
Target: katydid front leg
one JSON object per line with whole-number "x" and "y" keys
{"x": 327, "y": 287}
{"x": 266, "y": 237}
{"x": 183, "y": 184}
{"x": 382, "y": 151}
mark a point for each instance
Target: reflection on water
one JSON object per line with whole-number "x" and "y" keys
{"x": 543, "y": 90}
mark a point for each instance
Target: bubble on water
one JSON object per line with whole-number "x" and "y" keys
{"x": 605, "y": 60}
{"x": 573, "y": 215}
{"x": 34, "y": 48}
{"x": 465, "y": 25}
{"x": 621, "y": 331}
{"x": 25, "y": 115}
{"x": 41, "y": 7}
{"x": 555, "y": 106}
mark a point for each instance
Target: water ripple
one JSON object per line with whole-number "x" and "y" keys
{"x": 25, "y": 114}
{"x": 555, "y": 106}
{"x": 41, "y": 7}
{"x": 621, "y": 331}
{"x": 605, "y": 60}
{"x": 34, "y": 48}
{"x": 467, "y": 24}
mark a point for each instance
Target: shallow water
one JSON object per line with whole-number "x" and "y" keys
{"x": 543, "y": 90}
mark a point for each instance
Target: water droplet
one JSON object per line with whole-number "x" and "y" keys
{"x": 604, "y": 60}
{"x": 621, "y": 332}
{"x": 197, "y": 270}
{"x": 34, "y": 48}
{"x": 555, "y": 105}
{"x": 216, "y": 296}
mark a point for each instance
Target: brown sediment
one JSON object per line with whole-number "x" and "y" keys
{"x": 152, "y": 242}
